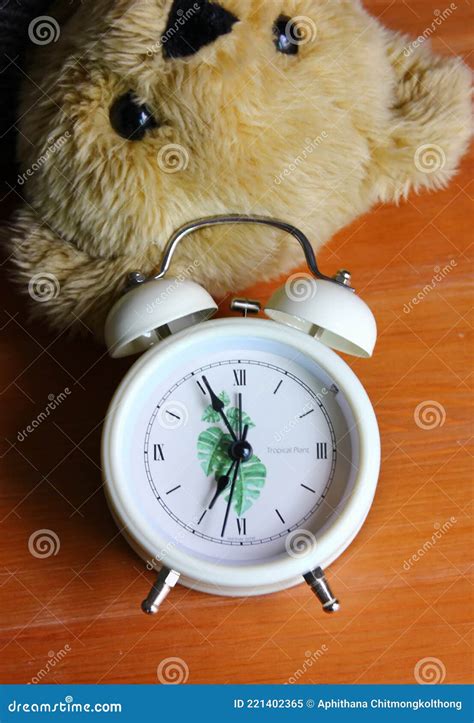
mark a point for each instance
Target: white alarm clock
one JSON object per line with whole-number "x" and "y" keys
{"x": 240, "y": 455}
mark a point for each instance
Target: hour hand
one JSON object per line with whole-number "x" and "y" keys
{"x": 218, "y": 406}
{"x": 222, "y": 484}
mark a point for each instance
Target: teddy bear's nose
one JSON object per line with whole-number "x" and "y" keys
{"x": 192, "y": 24}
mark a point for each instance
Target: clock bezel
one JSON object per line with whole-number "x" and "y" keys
{"x": 339, "y": 533}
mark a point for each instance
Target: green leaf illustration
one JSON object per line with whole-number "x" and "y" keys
{"x": 213, "y": 454}
{"x": 212, "y": 450}
{"x": 250, "y": 482}
{"x": 210, "y": 415}
{"x": 233, "y": 417}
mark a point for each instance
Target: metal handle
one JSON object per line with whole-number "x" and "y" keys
{"x": 193, "y": 226}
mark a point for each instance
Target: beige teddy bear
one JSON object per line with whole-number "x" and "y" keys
{"x": 141, "y": 115}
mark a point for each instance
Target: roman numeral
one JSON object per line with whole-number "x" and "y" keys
{"x": 242, "y": 526}
{"x": 240, "y": 377}
{"x": 201, "y": 387}
{"x": 321, "y": 450}
{"x": 158, "y": 454}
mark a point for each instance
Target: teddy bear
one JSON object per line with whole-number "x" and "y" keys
{"x": 137, "y": 116}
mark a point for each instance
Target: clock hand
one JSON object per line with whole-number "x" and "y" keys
{"x": 239, "y": 403}
{"x": 222, "y": 484}
{"x": 234, "y": 482}
{"x": 218, "y": 406}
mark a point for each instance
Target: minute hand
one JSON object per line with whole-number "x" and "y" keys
{"x": 219, "y": 406}
{"x": 234, "y": 482}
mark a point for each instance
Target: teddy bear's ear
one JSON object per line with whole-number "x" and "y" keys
{"x": 430, "y": 120}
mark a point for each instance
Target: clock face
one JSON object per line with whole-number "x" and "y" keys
{"x": 285, "y": 471}
{"x": 240, "y": 451}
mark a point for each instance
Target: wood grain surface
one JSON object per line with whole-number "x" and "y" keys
{"x": 82, "y": 604}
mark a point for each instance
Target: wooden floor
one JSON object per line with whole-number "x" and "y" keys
{"x": 76, "y": 614}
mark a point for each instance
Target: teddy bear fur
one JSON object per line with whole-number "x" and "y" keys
{"x": 358, "y": 116}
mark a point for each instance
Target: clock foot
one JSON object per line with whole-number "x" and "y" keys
{"x": 165, "y": 581}
{"x": 316, "y": 579}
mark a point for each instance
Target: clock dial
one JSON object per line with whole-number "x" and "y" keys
{"x": 284, "y": 471}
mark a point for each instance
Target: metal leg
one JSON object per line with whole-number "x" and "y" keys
{"x": 316, "y": 579}
{"x": 165, "y": 581}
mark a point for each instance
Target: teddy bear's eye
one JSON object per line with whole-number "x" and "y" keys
{"x": 130, "y": 118}
{"x": 283, "y": 31}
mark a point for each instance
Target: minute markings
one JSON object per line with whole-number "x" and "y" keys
{"x": 173, "y": 489}
{"x": 237, "y": 364}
